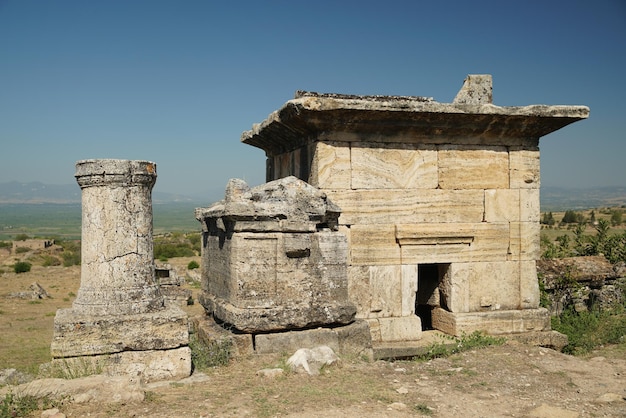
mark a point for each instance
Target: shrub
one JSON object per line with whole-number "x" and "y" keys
{"x": 216, "y": 353}
{"x": 22, "y": 267}
{"x": 193, "y": 265}
{"x": 590, "y": 329}
{"x": 70, "y": 258}
{"x": 49, "y": 260}
{"x": 5, "y": 244}
{"x": 21, "y": 237}
{"x": 17, "y": 406}
{"x": 21, "y": 250}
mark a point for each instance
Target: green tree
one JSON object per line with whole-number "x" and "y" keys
{"x": 570, "y": 217}
{"x": 548, "y": 219}
{"x": 616, "y": 217}
{"x": 592, "y": 217}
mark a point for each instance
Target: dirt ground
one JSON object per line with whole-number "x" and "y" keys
{"x": 512, "y": 380}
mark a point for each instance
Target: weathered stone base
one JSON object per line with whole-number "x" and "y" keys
{"x": 78, "y": 334}
{"x": 491, "y": 322}
{"x": 406, "y": 328}
{"x": 278, "y": 318}
{"x": 353, "y": 338}
{"x": 151, "y": 365}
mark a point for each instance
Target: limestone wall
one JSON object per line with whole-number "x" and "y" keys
{"x": 474, "y": 207}
{"x": 439, "y": 201}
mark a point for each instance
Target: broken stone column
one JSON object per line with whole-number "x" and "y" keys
{"x": 119, "y": 322}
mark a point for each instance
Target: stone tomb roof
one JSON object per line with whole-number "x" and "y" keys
{"x": 470, "y": 117}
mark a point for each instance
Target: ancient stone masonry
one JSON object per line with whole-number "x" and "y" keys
{"x": 119, "y": 322}
{"x": 273, "y": 261}
{"x": 440, "y": 202}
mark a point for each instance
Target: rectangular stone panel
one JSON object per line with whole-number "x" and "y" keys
{"x": 374, "y": 245}
{"x": 361, "y": 207}
{"x": 79, "y": 334}
{"x": 216, "y": 262}
{"x": 409, "y": 288}
{"x": 393, "y": 166}
{"x": 494, "y": 286}
{"x": 494, "y": 322}
{"x": 525, "y": 241}
{"x": 530, "y": 210}
{"x": 450, "y": 242}
{"x": 529, "y": 285}
{"x": 359, "y": 289}
{"x": 502, "y": 205}
{"x": 473, "y": 167}
{"x": 330, "y": 168}
{"x": 253, "y": 267}
{"x": 408, "y": 328}
{"x": 524, "y": 168}
{"x": 386, "y": 290}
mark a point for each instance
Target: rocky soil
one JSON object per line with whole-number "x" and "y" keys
{"x": 512, "y": 380}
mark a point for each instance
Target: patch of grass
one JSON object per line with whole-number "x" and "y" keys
{"x": 453, "y": 345}
{"x": 204, "y": 356}
{"x": 34, "y": 302}
{"x": 75, "y": 367}
{"x": 150, "y": 396}
{"x": 423, "y": 409}
{"x": 17, "y": 406}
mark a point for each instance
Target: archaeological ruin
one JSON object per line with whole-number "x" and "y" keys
{"x": 119, "y": 322}
{"x": 382, "y": 217}
{"x": 438, "y": 203}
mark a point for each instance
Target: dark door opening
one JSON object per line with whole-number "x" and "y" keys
{"x": 428, "y": 297}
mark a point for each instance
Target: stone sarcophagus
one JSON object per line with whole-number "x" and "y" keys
{"x": 273, "y": 260}
{"x": 440, "y": 202}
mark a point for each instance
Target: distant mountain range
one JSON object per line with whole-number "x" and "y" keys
{"x": 37, "y": 192}
{"x": 552, "y": 198}
{"x": 564, "y": 198}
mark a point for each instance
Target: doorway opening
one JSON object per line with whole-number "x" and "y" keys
{"x": 428, "y": 297}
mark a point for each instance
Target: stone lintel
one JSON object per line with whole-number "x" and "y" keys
{"x": 411, "y": 234}
{"x": 471, "y": 115}
{"x": 78, "y": 334}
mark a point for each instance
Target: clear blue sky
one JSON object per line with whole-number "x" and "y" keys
{"x": 177, "y": 82}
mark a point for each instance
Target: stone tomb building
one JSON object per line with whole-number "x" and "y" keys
{"x": 439, "y": 203}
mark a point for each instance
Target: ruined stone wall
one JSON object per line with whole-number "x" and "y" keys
{"x": 474, "y": 207}
{"x": 439, "y": 201}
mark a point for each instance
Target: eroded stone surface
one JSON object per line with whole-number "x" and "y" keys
{"x": 273, "y": 259}
{"x": 447, "y": 189}
{"x": 119, "y": 321}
